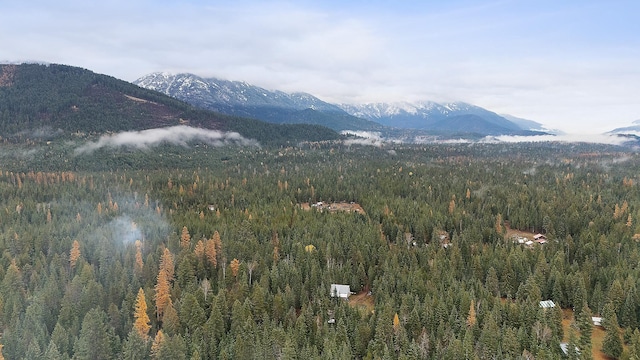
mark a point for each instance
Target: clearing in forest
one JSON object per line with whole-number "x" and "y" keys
{"x": 597, "y": 337}
{"x": 334, "y": 207}
{"x": 363, "y": 301}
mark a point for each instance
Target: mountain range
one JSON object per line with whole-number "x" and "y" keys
{"x": 243, "y": 99}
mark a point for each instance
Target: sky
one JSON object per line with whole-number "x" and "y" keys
{"x": 570, "y": 65}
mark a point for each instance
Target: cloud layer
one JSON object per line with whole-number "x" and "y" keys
{"x": 176, "y": 135}
{"x": 569, "y": 65}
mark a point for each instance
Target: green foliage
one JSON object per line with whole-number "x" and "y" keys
{"x": 393, "y": 248}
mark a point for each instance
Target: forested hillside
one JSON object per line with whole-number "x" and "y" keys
{"x": 48, "y": 101}
{"x": 221, "y": 257}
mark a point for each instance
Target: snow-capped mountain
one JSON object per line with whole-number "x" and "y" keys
{"x": 216, "y": 91}
{"x": 427, "y": 115}
{"x": 243, "y": 99}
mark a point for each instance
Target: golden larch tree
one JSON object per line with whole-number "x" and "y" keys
{"x": 471, "y": 319}
{"x": 142, "y": 323}
{"x": 139, "y": 263}
{"x": 157, "y": 343}
{"x": 211, "y": 253}
{"x": 74, "y": 254}
{"x": 235, "y": 267}
{"x": 185, "y": 238}
{"x": 166, "y": 264}
{"x": 396, "y": 322}
{"x": 199, "y": 249}
{"x": 163, "y": 296}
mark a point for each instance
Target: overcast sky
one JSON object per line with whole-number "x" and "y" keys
{"x": 572, "y": 65}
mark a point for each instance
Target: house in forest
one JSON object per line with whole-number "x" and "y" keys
{"x": 539, "y": 237}
{"x": 597, "y": 321}
{"x": 341, "y": 291}
{"x": 547, "y": 304}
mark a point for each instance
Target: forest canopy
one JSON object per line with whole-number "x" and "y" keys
{"x": 205, "y": 252}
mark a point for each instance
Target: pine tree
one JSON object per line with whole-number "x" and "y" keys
{"x": 142, "y": 322}
{"x": 612, "y": 344}
{"x": 135, "y": 347}
{"x": 97, "y": 339}
{"x": 586, "y": 329}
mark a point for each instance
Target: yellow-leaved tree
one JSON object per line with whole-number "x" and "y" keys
{"x": 396, "y": 323}
{"x": 235, "y": 266}
{"x": 163, "y": 296}
{"x": 166, "y": 264}
{"x": 139, "y": 263}
{"x": 163, "y": 283}
{"x": 157, "y": 343}
{"x": 185, "y": 238}
{"x": 199, "y": 249}
{"x": 142, "y": 323}
{"x": 74, "y": 254}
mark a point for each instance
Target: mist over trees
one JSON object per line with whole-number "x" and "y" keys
{"x": 217, "y": 253}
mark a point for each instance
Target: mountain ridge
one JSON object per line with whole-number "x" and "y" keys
{"x": 241, "y": 98}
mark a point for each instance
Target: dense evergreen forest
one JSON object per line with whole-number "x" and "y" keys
{"x": 214, "y": 253}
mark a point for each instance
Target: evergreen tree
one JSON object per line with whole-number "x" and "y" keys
{"x": 97, "y": 340}
{"x": 612, "y": 344}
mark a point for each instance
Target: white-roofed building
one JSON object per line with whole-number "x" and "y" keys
{"x": 338, "y": 290}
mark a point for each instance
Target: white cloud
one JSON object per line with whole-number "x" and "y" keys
{"x": 176, "y": 135}
{"x": 568, "y": 138}
{"x": 566, "y": 65}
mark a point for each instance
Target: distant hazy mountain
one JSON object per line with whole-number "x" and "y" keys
{"x": 242, "y": 99}
{"x": 633, "y": 129}
{"x": 457, "y": 117}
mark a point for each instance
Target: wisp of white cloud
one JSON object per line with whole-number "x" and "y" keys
{"x": 176, "y": 135}
{"x": 568, "y": 138}
{"x": 369, "y": 138}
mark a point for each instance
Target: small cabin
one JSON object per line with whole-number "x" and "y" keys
{"x": 597, "y": 321}
{"x": 546, "y": 304}
{"x": 341, "y": 291}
